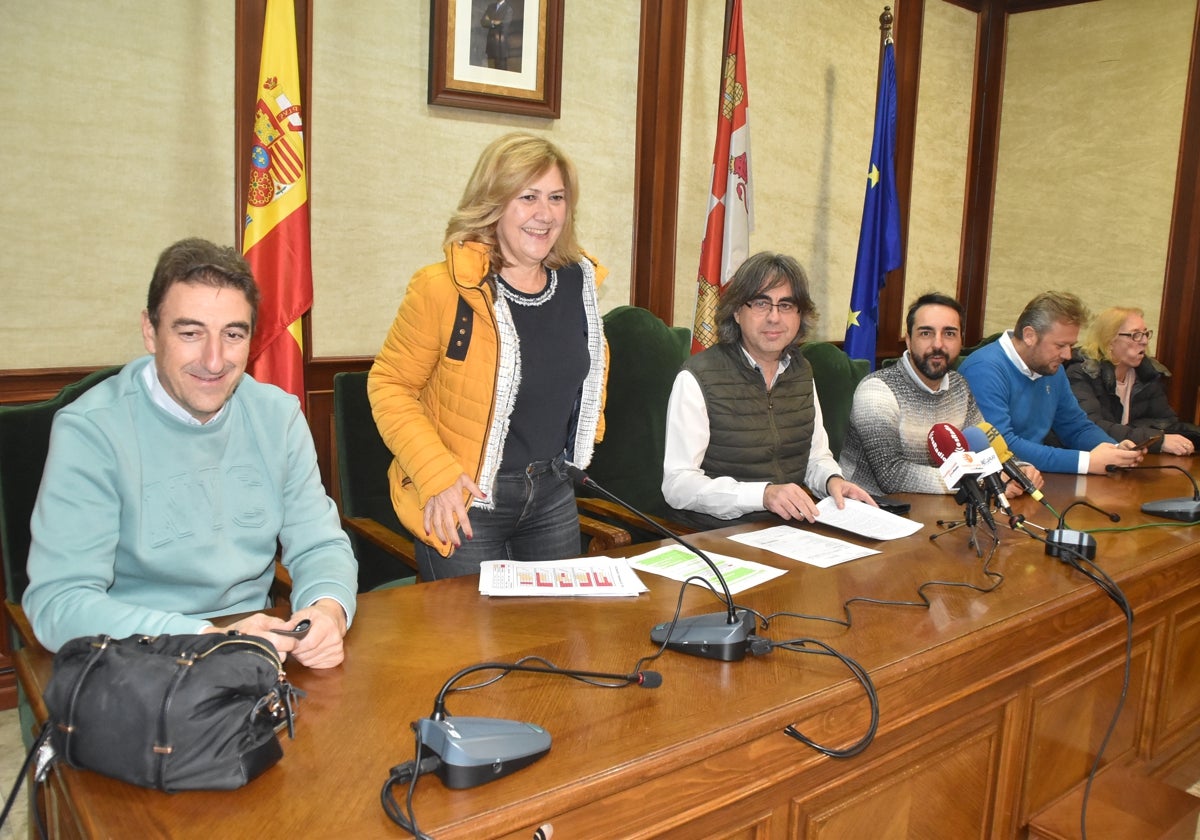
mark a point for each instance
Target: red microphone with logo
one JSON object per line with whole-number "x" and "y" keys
{"x": 950, "y": 453}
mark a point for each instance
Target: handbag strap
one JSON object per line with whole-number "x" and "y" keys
{"x": 162, "y": 746}
{"x": 11, "y": 800}
{"x": 68, "y": 726}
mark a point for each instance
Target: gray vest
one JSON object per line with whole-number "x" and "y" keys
{"x": 755, "y": 434}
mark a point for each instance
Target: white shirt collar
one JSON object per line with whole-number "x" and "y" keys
{"x": 785, "y": 359}
{"x": 906, "y": 362}
{"x": 1010, "y": 350}
{"x": 160, "y": 397}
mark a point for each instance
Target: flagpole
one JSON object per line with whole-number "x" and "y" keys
{"x": 879, "y": 247}
{"x": 729, "y": 218}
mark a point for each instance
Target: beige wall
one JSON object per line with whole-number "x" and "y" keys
{"x": 1092, "y": 114}
{"x": 119, "y": 139}
{"x": 943, "y": 136}
{"x": 388, "y": 169}
{"x": 811, "y": 71}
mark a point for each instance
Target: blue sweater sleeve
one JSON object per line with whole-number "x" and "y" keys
{"x": 1021, "y": 409}
{"x": 316, "y": 551}
{"x": 75, "y": 533}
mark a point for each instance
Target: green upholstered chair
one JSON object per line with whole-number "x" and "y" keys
{"x": 966, "y": 351}
{"x": 24, "y": 444}
{"x": 644, "y": 356}
{"x": 383, "y": 546}
{"x": 835, "y": 375}
{"x": 360, "y": 484}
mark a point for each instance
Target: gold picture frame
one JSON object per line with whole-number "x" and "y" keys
{"x": 497, "y": 55}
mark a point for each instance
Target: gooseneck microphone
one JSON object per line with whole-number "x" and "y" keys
{"x": 947, "y": 448}
{"x": 1008, "y": 461}
{"x": 725, "y": 635}
{"x": 1182, "y": 509}
{"x": 474, "y": 750}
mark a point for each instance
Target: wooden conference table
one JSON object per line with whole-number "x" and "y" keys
{"x": 991, "y": 705}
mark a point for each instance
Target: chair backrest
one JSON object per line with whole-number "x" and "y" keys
{"x": 24, "y": 444}
{"x": 644, "y": 356}
{"x": 835, "y": 376}
{"x": 983, "y": 342}
{"x": 361, "y": 467}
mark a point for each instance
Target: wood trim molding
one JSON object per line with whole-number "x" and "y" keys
{"x": 656, "y": 167}
{"x": 1178, "y": 346}
{"x": 982, "y": 159}
{"x": 907, "y": 29}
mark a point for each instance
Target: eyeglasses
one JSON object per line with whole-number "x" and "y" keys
{"x": 1139, "y": 335}
{"x": 762, "y": 306}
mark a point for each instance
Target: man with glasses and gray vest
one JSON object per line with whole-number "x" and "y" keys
{"x": 745, "y": 437}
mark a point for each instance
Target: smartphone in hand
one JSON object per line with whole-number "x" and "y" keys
{"x": 1144, "y": 446}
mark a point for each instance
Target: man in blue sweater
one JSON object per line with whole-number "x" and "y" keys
{"x": 1022, "y": 390}
{"x": 169, "y": 487}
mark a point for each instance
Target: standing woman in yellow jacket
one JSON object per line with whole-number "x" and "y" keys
{"x": 492, "y": 375}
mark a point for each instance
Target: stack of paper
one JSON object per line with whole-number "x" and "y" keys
{"x": 593, "y": 577}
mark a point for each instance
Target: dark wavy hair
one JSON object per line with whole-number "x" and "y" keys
{"x": 760, "y": 273}
{"x": 201, "y": 262}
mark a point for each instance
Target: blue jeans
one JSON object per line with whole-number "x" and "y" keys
{"x": 534, "y": 519}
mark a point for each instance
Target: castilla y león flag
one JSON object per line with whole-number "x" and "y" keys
{"x": 730, "y": 207}
{"x": 276, "y": 236}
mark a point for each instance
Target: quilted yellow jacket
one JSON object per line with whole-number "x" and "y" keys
{"x": 434, "y": 385}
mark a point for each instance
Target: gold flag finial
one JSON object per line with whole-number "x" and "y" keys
{"x": 885, "y": 24}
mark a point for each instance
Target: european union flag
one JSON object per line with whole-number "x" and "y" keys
{"x": 879, "y": 241}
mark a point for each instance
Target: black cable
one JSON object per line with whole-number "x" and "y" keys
{"x": 30, "y": 757}
{"x": 924, "y": 602}
{"x": 860, "y": 673}
{"x": 1077, "y": 560}
{"x": 408, "y": 772}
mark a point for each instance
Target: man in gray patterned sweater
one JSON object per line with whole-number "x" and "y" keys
{"x": 894, "y": 408}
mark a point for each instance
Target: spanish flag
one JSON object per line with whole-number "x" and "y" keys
{"x": 276, "y": 237}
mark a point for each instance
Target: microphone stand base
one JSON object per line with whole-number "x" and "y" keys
{"x": 1184, "y": 509}
{"x": 710, "y": 636}
{"x": 475, "y": 750}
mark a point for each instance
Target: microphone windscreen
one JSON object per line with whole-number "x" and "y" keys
{"x": 977, "y": 441}
{"x": 944, "y": 439}
{"x": 649, "y": 679}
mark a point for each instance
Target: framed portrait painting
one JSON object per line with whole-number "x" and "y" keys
{"x": 497, "y": 55}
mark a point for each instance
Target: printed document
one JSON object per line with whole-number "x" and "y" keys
{"x": 593, "y": 577}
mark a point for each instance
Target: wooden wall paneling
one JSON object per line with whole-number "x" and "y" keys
{"x": 656, "y": 167}
{"x": 1179, "y": 703}
{"x": 907, "y": 31}
{"x": 1178, "y": 346}
{"x": 981, "y": 169}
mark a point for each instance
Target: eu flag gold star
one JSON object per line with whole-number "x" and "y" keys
{"x": 873, "y": 175}
{"x": 852, "y": 320}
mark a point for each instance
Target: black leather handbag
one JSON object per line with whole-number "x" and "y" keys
{"x": 174, "y": 713}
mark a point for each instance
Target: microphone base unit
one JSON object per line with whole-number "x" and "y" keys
{"x": 710, "y": 636}
{"x": 1068, "y": 545}
{"x": 1183, "y": 509}
{"x": 475, "y": 750}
